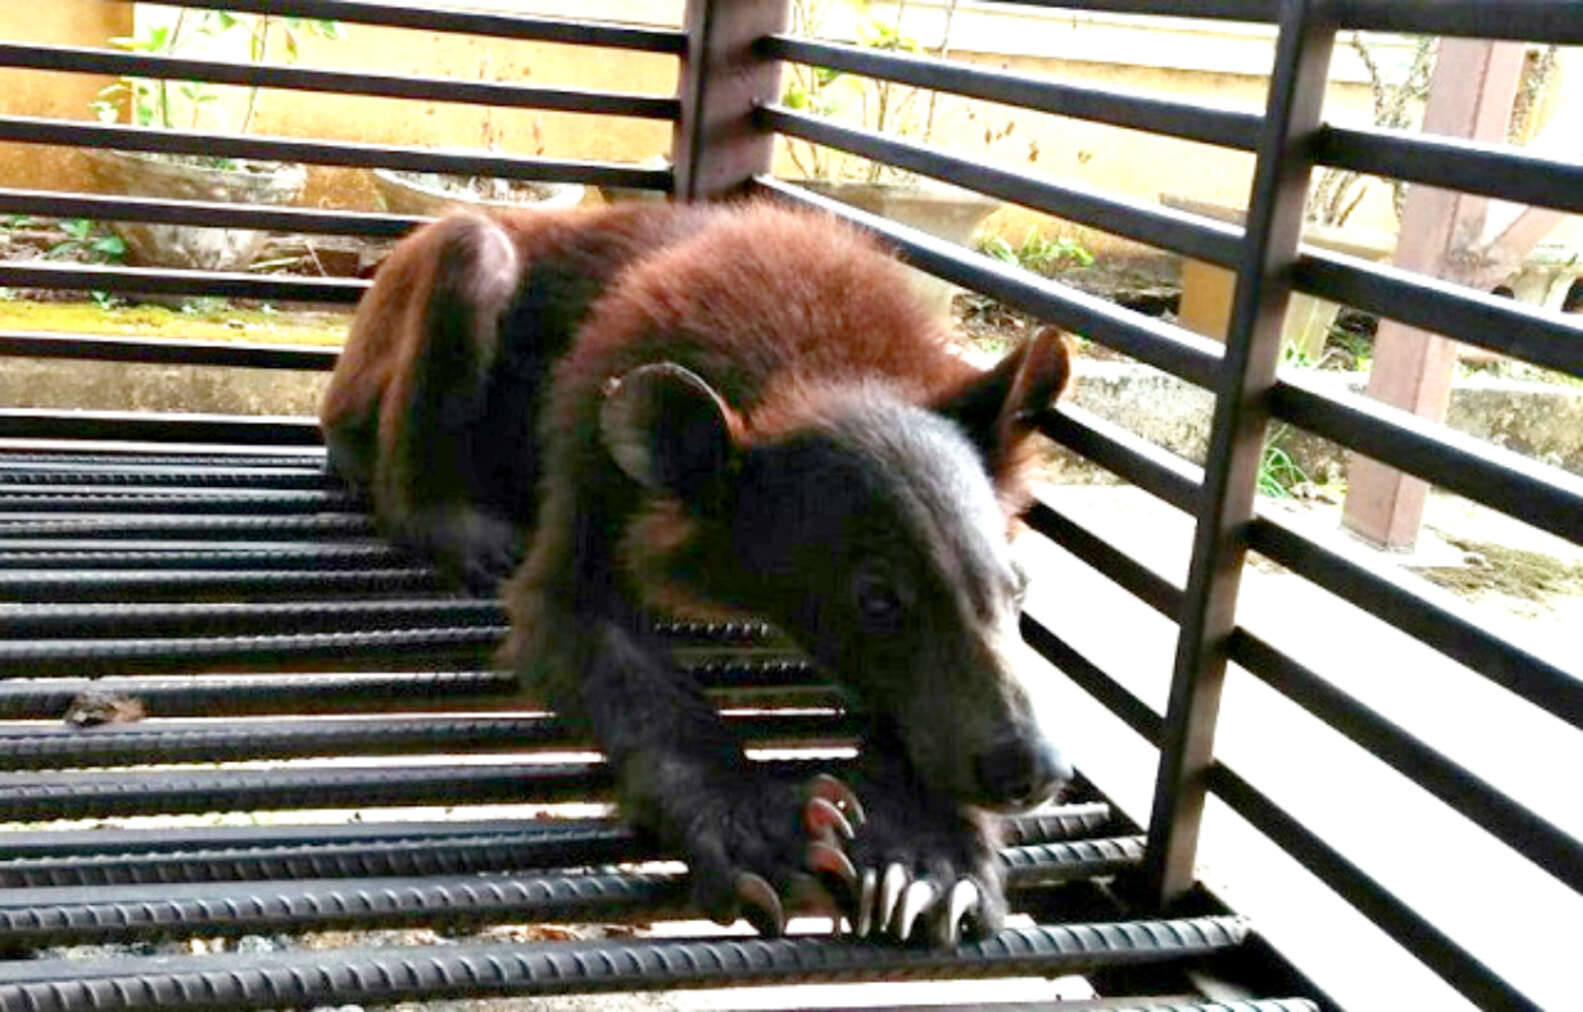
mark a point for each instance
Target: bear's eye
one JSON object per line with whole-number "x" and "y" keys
{"x": 877, "y": 600}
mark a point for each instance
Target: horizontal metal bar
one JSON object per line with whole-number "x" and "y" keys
{"x": 156, "y": 427}
{"x": 1142, "y": 582}
{"x": 1522, "y": 20}
{"x": 384, "y": 650}
{"x": 1125, "y": 453}
{"x": 1224, "y": 10}
{"x": 1114, "y": 696}
{"x": 250, "y": 695}
{"x": 1029, "y": 91}
{"x": 1514, "y": 824}
{"x": 45, "y": 475}
{"x": 67, "y": 858}
{"x": 405, "y": 86}
{"x": 1176, "y": 231}
{"x": 444, "y": 18}
{"x": 1488, "y": 321}
{"x": 79, "y": 133}
{"x": 55, "y": 915}
{"x": 86, "y": 527}
{"x": 173, "y": 281}
{"x": 58, "y": 747}
{"x": 190, "y": 585}
{"x": 1544, "y": 496}
{"x": 386, "y": 975}
{"x": 66, "y": 553}
{"x": 133, "y": 455}
{"x": 1453, "y": 163}
{"x": 106, "y": 621}
{"x": 1171, "y": 349}
{"x": 27, "y": 503}
{"x": 1426, "y": 942}
{"x": 100, "y": 207}
{"x": 27, "y": 797}
{"x": 1446, "y": 625}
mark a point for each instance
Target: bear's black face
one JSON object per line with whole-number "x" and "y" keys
{"x": 875, "y": 539}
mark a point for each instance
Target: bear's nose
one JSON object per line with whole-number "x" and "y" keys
{"x": 1021, "y": 771}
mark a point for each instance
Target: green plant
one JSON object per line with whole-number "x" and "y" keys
{"x": 1279, "y": 473}
{"x": 151, "y": 103}
{"x": 1037, "y": 252}
{"x": 86, "y": 241}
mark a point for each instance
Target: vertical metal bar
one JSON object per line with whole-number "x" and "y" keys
{"x": 1285, "y": 156}
{"x": 717, "y": 149}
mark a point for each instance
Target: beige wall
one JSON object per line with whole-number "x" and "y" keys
{"x": 34, "y": 93}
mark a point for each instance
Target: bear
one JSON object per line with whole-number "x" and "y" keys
{"x": 731, "y": 409}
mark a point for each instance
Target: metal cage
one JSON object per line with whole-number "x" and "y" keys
{"x": 207, "y": 566}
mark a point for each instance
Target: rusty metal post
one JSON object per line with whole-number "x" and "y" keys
{"x": 1470, "y": 95}
{"x": 717, "y": 149}
{"x": 1275, "y": 214}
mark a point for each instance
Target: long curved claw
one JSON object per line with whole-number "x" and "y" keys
{"x": 890, "y": 889}
{"x": 825, "y": 859}
{"x": 865, "y": 902}
{"x": 963, "y": 902}
{"x": 760, "y": 906}
{"x": 820, "y": 816}
{"x": 823, "y": 785}
{"x": 914, "y": 902}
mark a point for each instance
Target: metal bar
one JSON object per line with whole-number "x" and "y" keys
{"x": 27, "y": 797}
{"x": 162, "y": 585}
{"x": 77, "y": 133}
{"x": 405, "y": 86}
{"x": 1427, "y": 943}
{"x": 1452, "y": 163}
{"x": 172, "y": 281}
{"x": 1114, "y": 696}
{"x": 1538, "y": 494}
{"x": 99, "y": 207}
{"x": 132, "y": 455}
{"x": 1125, "y": 453}
{"x": 55, "y": 747}
{"x": 1208, "y": 612}
{"x": 1224, "y": 10}
{"x": 388, "y": 649}
{"x": 1519, "y": 20}
{"x": 66, "y": 553}
{"x": 19, "y": 503}
{"x": 436, "y": 18}
{"x": 1515, "y": 825}
{"x": 1144, "y": 583}
{"x": 252, "y": 695}
{"x": 717, "y": 148}
{"x": 192, "y": 528}
{"x": 55, "y": 915}
{"x": 1177, "y": 231}
{"x": 154, "y": 427}
{"x": 1117, "y": 108}
{"x": 385, "y": 975}
{"x": 57, "y": 475}
{"x": 1472, "y": 317}
{"x": 454, "y": 848}
{"x": 101, "y": 621}
{"x": 1183, "y": 354}
{"x": 1446, "y": 625}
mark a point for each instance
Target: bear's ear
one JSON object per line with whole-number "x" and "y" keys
{"x": 997, "y": 408}
{"x": 669, "y": 431}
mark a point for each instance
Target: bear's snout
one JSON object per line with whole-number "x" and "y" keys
{"x": 1020, "y": 772}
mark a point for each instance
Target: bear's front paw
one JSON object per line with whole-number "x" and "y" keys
{"x": 924, "y": 874}
{"x": 763, "y": 851}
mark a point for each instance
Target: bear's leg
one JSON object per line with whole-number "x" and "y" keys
{"x": 751, "y": 840}
{"x": 436, "y": 449}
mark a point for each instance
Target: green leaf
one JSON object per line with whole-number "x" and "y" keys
{"x": 329, "y": 29}
{"x": 77, "y": 228}
{"x": 110, "y": 247}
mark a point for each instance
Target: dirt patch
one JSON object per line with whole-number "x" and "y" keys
{"x": 1531, "y": 581}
